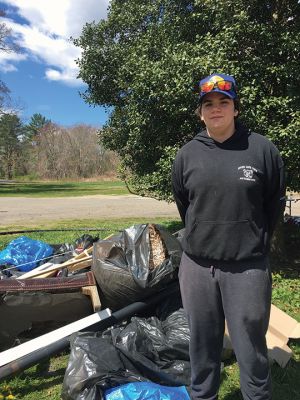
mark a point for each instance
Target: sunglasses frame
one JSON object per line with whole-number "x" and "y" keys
{"x": 216, "y": 85}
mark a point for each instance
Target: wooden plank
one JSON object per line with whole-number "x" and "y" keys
{"x": 42, "y": 267}
{"x": 49, "y": 269}
{"x": 73, "y": 264}
{"x": 93, "y": 293}
{"x": 80, "y": 265}
{"x": 57, "y": 267}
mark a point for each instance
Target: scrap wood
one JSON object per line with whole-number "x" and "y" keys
{"x": 70, "y": 265}
{"x": 80, "y": 261}
{"x": 79, "y": 258}
{"x": 42, "y": 267}
{"x": 92, "y": 292}
{"x": 84, "y": 263}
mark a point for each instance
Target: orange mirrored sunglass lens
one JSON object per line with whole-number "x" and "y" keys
{"x": 222, "y": 85}
{"x": 207, "y": 87}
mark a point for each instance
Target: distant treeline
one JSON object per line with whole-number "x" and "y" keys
{"x": 44, "y": 150}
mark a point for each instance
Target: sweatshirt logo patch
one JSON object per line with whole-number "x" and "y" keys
{"x": 247, "y": 173}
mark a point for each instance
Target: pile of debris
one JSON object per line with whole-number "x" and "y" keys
{"x": 133, "y": 271}
{"x": 43, "y": 287}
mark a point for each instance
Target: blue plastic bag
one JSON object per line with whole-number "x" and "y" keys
{"x": 146, "y": 391}
{"x": 25, "y": 253}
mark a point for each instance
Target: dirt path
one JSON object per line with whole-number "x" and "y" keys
{"x": 30, "y": 211}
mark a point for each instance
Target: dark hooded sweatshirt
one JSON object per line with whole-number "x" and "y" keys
{"x": 229, "y": 196}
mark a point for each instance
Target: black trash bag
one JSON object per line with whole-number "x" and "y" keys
{"x": 144, "y": 349}
{"x": 84, "y": 242}
{"x": 65, "y": 251}
{"x": 168, "y": 306}
{"x": 62, "y": 253}
{"x": 95, "y": 365}
{"x": 156, "y": 350}
{"x": 177, "y": 337}
{"x": 5, "y": 271}
{"x": 123, "y": 265}
{"x": 8, "y": 271}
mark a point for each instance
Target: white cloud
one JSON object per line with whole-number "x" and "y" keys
{"x": 46, "y": 35}
{"x": 67, "y": 76}
{"x": 8, "y": 61}
{"x": 7, "y": 67}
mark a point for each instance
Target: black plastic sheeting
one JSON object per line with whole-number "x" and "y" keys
{"x": 121, "y": 266}
{"x": 27, "y": 315}
{"x": 146, "y": 349}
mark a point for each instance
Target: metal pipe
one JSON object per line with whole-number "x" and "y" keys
{"x": 117, "y": 316}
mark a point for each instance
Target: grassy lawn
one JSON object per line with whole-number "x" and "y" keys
{"x": 44, "y": 382}
{"x": 61, "y": 189}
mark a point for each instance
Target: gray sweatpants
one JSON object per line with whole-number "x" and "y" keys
{"x": 242, "y": 295}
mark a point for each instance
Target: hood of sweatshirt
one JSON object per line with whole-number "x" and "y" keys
{"x": 238, "y": 139}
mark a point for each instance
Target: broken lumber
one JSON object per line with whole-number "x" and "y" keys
{"x": 44, "y": 273}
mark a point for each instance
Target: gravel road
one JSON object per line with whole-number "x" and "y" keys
{"x": 30, "y": 211}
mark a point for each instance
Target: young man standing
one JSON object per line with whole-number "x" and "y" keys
{"x": 228, "y": 185}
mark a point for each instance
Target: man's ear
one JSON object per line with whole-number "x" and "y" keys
{"x": 236, "y": 113}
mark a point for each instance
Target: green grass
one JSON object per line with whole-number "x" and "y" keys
{"x": 62, "y": 189}
{"x": 44, "y": 381}
{"x": 102, "y": 229}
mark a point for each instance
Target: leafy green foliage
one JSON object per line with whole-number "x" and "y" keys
{"x": 145, "y": 61}
{"x": 36, "y": 123}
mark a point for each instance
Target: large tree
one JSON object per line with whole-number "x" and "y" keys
{"x": 145, "y": 60}
{"x": 35, "y": 125}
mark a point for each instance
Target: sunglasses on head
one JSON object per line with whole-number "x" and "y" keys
{"x": 210, "y": 85}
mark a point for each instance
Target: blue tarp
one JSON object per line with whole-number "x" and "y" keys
{"x": 25, "y": 253}
{"x": 146, "y": 391}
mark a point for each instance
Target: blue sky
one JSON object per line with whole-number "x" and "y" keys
{"x": 42, "y": 78}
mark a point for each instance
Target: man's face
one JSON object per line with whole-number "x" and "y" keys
{"x": 218, "y": 112}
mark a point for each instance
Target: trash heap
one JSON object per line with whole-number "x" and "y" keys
{"x": 43, "y": 287}
{"x": 149, "y": 350}
{"x": 146, "y": 354}
{"x": 139, "y": 356}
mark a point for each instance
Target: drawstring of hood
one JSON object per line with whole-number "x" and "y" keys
{"x": 212, "y": 271}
